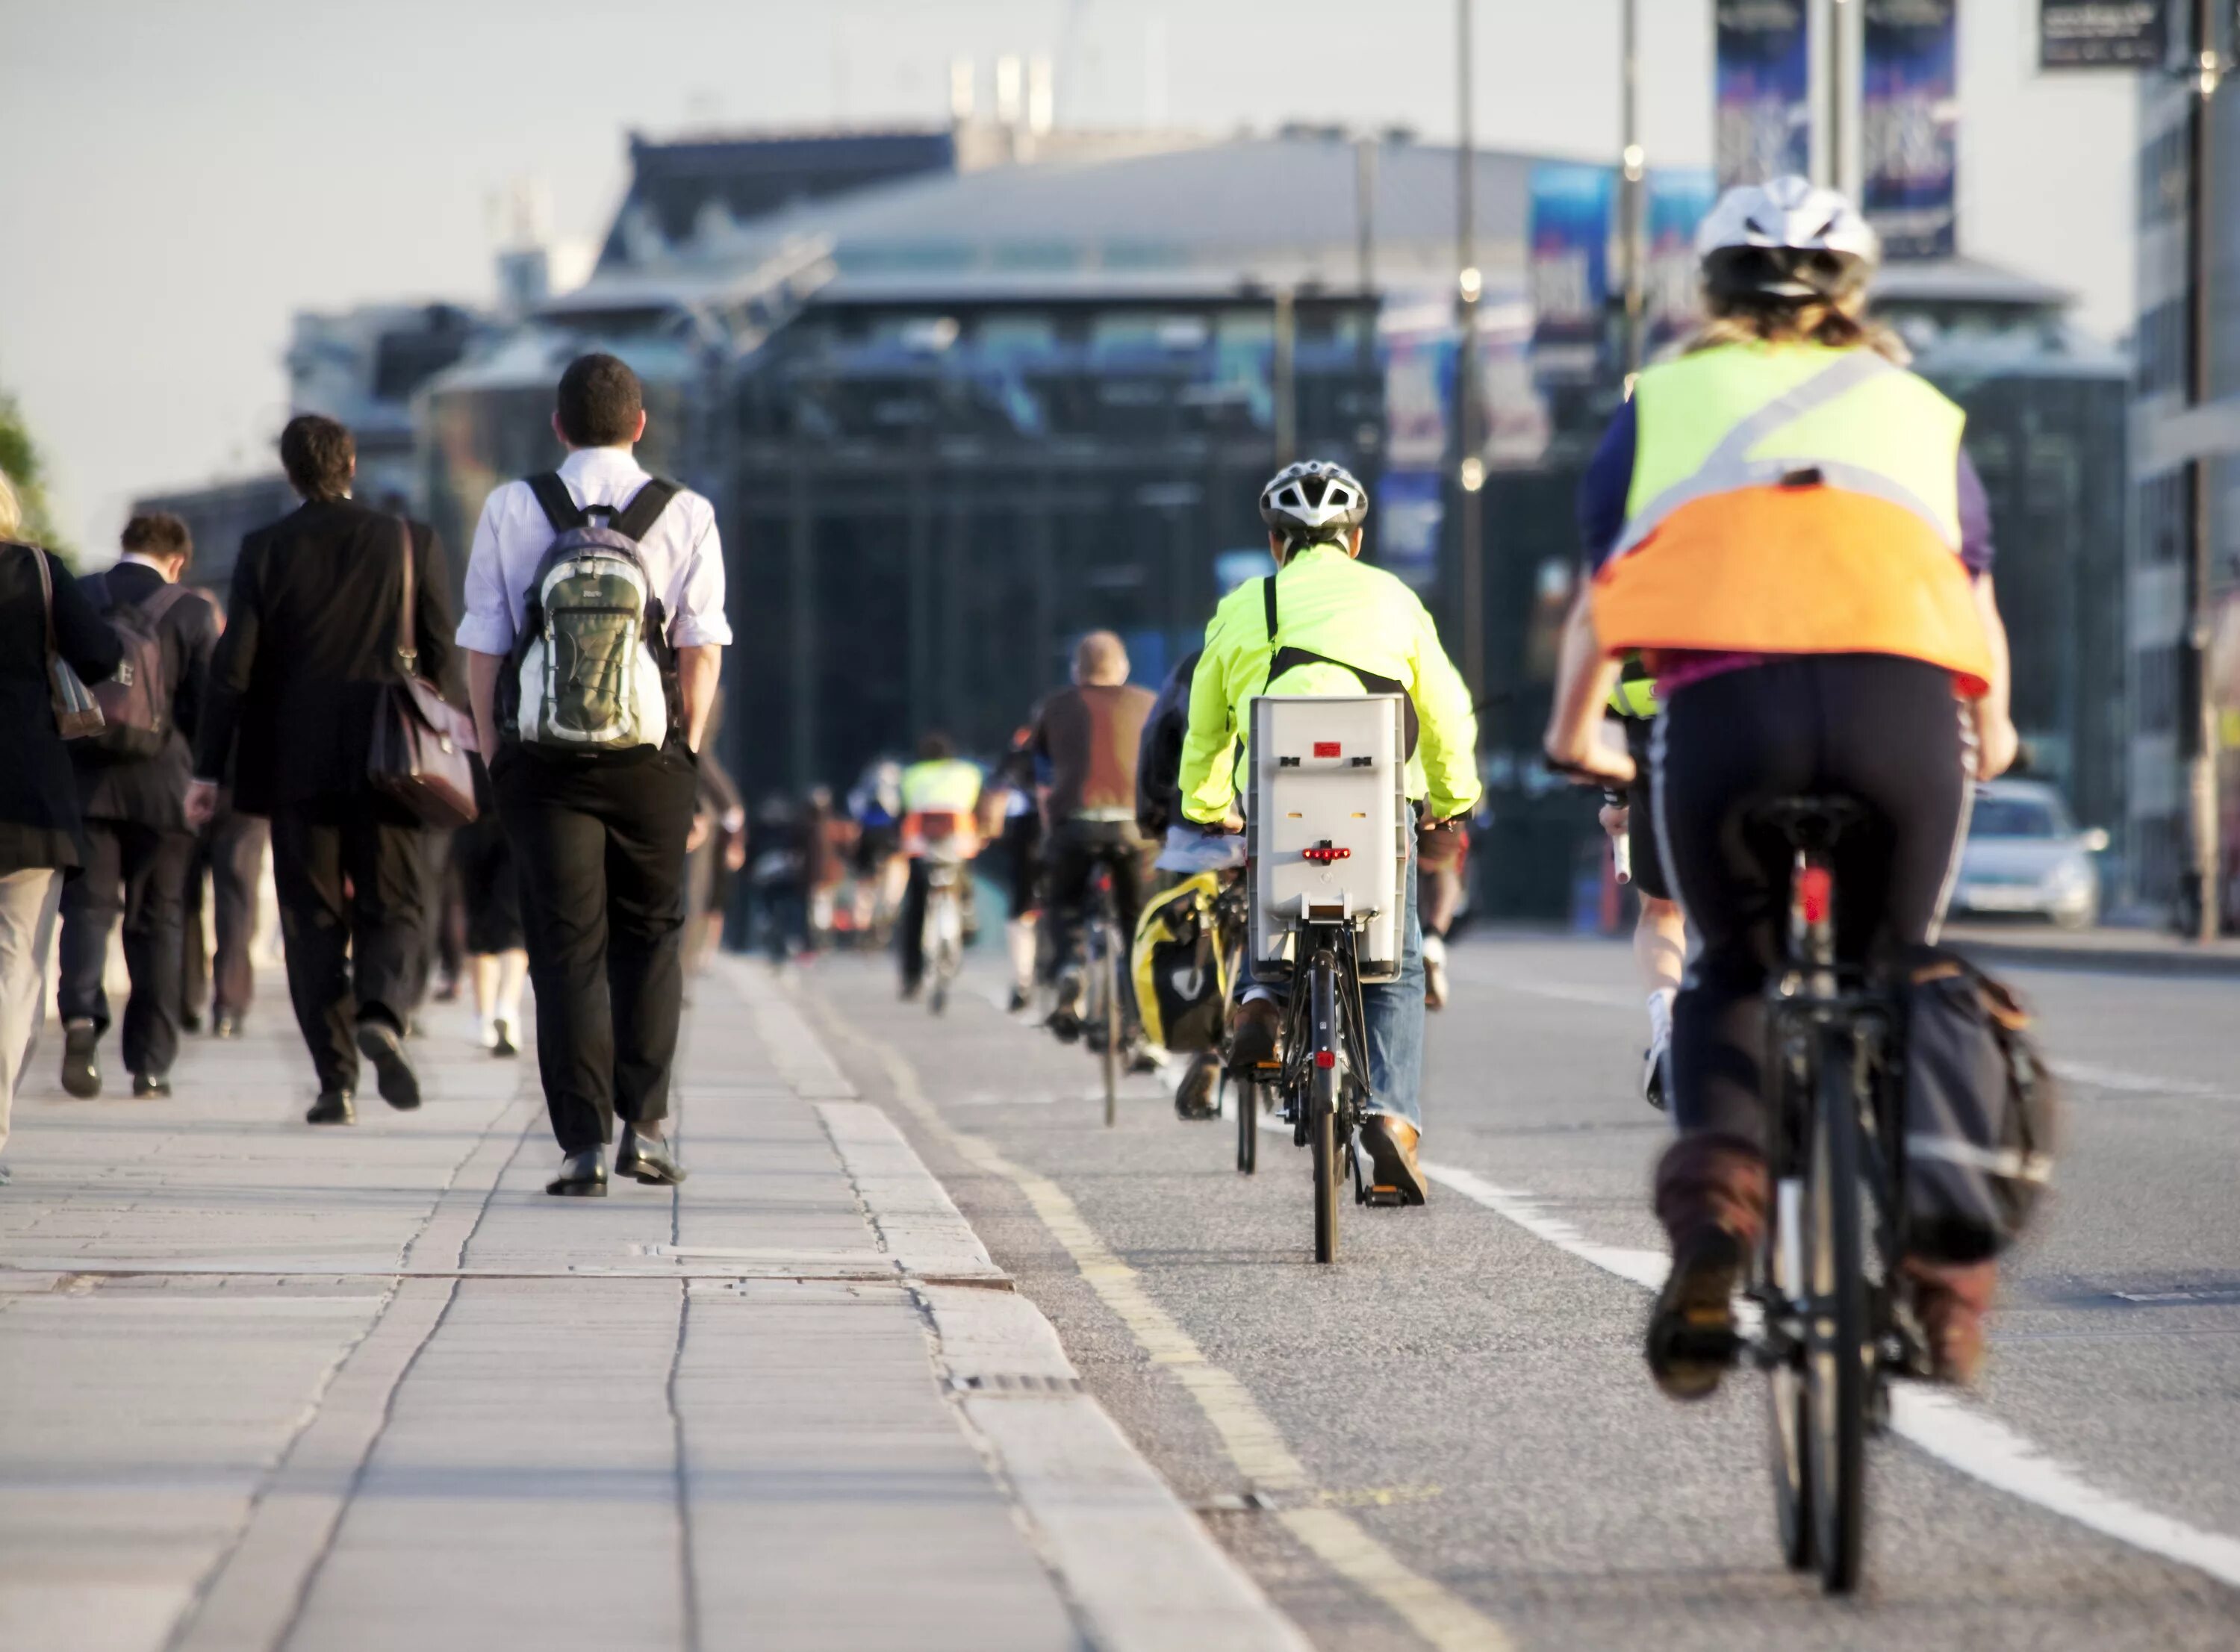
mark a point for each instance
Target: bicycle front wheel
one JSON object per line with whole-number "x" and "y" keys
{"x": 1838, "y": 1354}
{"x": 1107, "y": 970}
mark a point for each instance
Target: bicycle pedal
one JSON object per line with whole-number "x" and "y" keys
{"x": 1384, "y": 1197}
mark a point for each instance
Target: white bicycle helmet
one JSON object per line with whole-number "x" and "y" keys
{"x": 1786, "y": 240}
{"x": 1314, "y": 498}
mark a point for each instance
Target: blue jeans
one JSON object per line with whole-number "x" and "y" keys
{"x": 1394, "y": 1010}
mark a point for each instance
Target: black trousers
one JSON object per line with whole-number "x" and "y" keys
{"x": 349, "y": 872}
{"x": 1885, "y": 732}
{"x": 1071, "y": 855}
{"x": 599, "y": 852}
{"x": 229, "y": 853}
{"x": 140, "y": 871}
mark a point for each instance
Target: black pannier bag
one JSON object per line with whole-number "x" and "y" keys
{"x": 1981, "y": 1111}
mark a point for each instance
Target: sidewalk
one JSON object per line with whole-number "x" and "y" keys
{"x": 2127, "y": 951}
{"x": 268, "y": 1386}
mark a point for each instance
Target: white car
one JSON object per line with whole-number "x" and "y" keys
{"x": 2026, "y": 858}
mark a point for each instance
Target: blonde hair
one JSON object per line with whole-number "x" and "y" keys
{"x": 1838, "y": 324}
{"x": 11, "y": 509}
{"x": 1100, "y": 659}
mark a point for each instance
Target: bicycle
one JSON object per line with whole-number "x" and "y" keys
{"x": 942, "y": 931}
{"x": 1240, "y": 1092}
{"x": 1828, "y": 1335}
{"x": 1106, "y": 956}
{"x": 1322, "y": 1086}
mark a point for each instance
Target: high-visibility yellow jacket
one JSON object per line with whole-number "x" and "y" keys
{"x": 944, "y": 786}
{"x": 1793, "y": 499}
{"x": 1351, "y": 615}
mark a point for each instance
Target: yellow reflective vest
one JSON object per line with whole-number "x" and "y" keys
{"x": 1793, "y": 499}
{"x": 1353, "y": 616}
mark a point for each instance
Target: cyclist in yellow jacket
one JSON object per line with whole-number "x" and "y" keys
{"x": 1802, "y": 553}
{"x": 1327, "y": 623}
{"x": 940, "y": 799}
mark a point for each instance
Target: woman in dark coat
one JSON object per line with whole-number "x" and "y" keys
{"x": 41, "y": 836}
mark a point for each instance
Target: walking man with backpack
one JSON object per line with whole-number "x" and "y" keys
{"x": 593, "y": 632}
{"x": 131, "y": 783}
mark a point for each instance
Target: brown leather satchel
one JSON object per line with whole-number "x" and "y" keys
{"x": 422, "y": 750}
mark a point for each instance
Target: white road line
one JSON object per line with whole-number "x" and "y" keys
{"x": 1961, "y": 1436}
{"x": 2118, "y": 1078}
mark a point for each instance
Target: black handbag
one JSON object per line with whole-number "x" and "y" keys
{"x": 423, "y": 749}
{"x": 77, "y": 714}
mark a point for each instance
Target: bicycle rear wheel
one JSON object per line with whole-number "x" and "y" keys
{"x": 1322, "y": 1090}
{"x": 1244, "y": 1096}
{"x": 1838, "y": 1355}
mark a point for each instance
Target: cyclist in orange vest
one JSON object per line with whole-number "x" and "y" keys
{"x": 1785, "y": 526}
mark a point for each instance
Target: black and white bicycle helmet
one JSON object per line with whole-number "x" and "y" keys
{"x": 1787, "y": 241}
{"x": 1314, "y": 499}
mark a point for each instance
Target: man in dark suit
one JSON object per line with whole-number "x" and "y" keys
{"x": 138, "y": 844}
{"x": 310, "y": 637}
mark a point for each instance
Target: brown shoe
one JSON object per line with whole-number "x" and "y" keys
{"x": 1394, "y": 1177}
{"x": 1711, "y": 1198}
{"x": 1256, "y": 1034}
{"x": 1951, "y": 1299}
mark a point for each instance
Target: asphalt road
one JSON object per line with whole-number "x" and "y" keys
{"x": 1449, "y": 1438}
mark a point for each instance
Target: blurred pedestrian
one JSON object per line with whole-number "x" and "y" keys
{"x": 828, "y": 833}
{"x": 715, "y": 851}
{"x": 132, "y": 783}
{"x": 496, "y": 959}
{"x": 43, "y": 616}
{"x": 309, "y": 643}
{"x": 777, "y": 856}
{"x": 217, "y": 969}
{"x": 598, "y": 822}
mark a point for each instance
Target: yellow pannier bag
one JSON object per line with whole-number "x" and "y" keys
{"x": 1182, "y": 980}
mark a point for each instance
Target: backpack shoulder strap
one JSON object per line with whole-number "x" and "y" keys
{"x": 559, "y": 508}
{"x": 637, "y": 518}
{"x": 1268, "y": 602}
{"x": 165, "y": 601}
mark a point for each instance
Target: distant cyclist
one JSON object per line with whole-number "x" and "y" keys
{"x": 1784, "y": 522}
{"x": 940, "y": 796}
{"x": 1010, "y": 817}
{"x": 1327, "y": 623}
{"x": 1660, "y": 934}
{"x": 1085, "y": 742}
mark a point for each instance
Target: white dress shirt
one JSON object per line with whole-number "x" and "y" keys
{"x": 683, "y": 558}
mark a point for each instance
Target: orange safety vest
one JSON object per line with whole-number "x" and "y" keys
{"x": 1793, "y": 499}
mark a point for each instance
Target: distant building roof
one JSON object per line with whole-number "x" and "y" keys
{"x": 677, "y": 186}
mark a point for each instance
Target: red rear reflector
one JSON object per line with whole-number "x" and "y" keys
{"x": 1326, "y": 1058}
{"x": 1815, "y": 893}
{"x": 1327, "y": 854}
{"x": 1328, "y": 749}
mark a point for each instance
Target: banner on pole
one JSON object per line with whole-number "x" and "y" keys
{"x": 1679, "y": 199}
{"x": 1571, "y": 271}
{"x": 2102, "y": 34}
{"x": 1910, "y": 125}
{"x": 1765, "y": 91}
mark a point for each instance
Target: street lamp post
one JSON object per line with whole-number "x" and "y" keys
{"x": 1470, "y": 466}
{"x": 2197, "y": 730}
{"x": 1633, "y": 202}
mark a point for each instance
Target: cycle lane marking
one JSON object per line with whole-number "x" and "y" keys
{"x": 1249, "y": 1438}
{"x": 1955, "y": 1432}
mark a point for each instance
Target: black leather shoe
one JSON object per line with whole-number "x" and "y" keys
{"x": 333, "y": 1107}
{"x": 228, "y": 1025}
{"x": 151, "y": 1087}
{"x": 652, "y": 1161}
{"x": 191, "y": 1023}
{"x": 583, "y": 1175}
{"x": 384, "y": 1046}
{"x": 81, "y": 1064}
{"x": 1255, "y": 1033}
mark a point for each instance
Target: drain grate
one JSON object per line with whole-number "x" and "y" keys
{"x": 1015, "y": 1383}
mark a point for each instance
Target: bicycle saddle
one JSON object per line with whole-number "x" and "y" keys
{"x": 1812, "y": 822}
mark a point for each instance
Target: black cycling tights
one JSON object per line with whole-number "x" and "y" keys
{"x": 1886, "y": 732}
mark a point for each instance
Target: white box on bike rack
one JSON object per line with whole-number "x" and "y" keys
{"x": 1328, "y": 771}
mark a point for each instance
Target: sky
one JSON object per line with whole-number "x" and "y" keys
{"x": 178, "y": 177}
